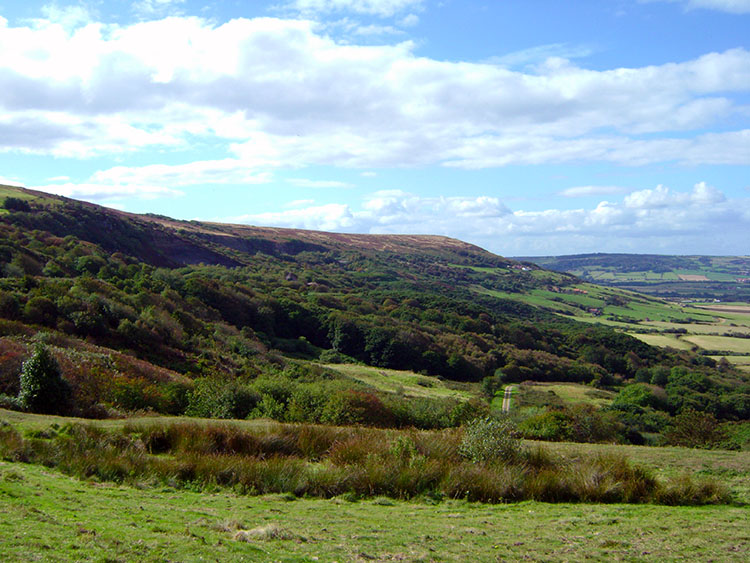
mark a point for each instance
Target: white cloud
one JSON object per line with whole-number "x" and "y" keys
{"x": 4, "y": 180}
{"x": 588, "y": 191}
{"x": 150, "y": 8}
{"x": 540, "y": 54}
{"x": 331, "y": 217}
{"x": 103, "y": 192}
{"x": 668, "y": 219}
{"x": 277, "y": 93}
{"x": 307, "y": 183}
{"x": 227, "y": 171}
{"x": 300, "y": 203}
{"x": 409, "y": 20}
{"x": 729, "y": 6}
{"x": 382, "y": 8}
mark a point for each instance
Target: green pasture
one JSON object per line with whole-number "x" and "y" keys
{"x": 662, "y": 340}
{"x": 50, "y": 517}
{"x": 540, "y": 394}
{"x": 407, "y": 383}
{"x": 699, "y": 328}
{"x": 722, "y": 343}
{"x": 740, "y": 362}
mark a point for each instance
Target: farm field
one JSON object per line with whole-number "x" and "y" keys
{"x": 538, "y": 393}
{"x": 663, "y": 340}
{"x": 741, "y": 362}
{"x": 720, "y": 326}
{"x": 723, "y": 343}
{"x": 674, "y": 277}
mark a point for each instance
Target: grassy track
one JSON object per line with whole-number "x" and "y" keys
{"x": 50, "y": 517}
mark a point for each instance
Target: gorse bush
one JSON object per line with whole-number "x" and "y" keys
{"x": 491, "y": 440}
{"x": 43, "y": 390}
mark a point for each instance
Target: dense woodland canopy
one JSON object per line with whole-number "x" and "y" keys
{"x": 142, "y": 312}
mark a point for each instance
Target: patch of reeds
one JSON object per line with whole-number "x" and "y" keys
{"x": 320, "y": 461}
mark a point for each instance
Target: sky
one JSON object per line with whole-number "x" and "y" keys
{"x": 527, "y": 127}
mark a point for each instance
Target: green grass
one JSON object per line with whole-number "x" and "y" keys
{"x": 574, "y": 394}
{"x": 29, "y": 422}
{"x": 50, "y": 517}
{"x": 696, "y": 328}
{"x": 740, "y": 362}
{"x": 409, "y": 383}
{"x": 663, "y": 341}
{"x": 731, "y": 467}
{"x": 723, "y": 343}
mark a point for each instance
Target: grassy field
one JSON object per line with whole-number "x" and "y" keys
{"x": 409, "y": 383}
{"x": 561, "y": 393}
{"x": 740, "y": 362}
{"x": 723, "y": 343}
{"x": 55, "y": 518}
{"x": 720, "y": 326}
{"x": 51, "y": 517}
{"x": 663, "y": 340}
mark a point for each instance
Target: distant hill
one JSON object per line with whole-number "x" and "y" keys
{"x": 726, "y": 278}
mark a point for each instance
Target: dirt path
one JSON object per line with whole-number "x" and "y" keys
{"x": 506, "y": 398}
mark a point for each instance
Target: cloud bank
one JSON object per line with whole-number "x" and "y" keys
{"x": 667, "y": 218}
{"x": 273, "y": 93}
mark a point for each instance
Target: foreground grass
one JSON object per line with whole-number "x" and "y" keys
{"x": 483, "y": 462}
{"x": 51, "y": 517}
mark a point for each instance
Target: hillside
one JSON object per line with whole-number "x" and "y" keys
{"x": 147, "y": 312}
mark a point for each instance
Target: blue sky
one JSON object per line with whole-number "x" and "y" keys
{"x": 526, "y": 127}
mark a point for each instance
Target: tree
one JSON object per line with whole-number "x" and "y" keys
{"x": 43, "y": 389}
{"x": 16, "y": 204}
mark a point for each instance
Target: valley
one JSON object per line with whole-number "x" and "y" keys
{"x": 295, "y": 382}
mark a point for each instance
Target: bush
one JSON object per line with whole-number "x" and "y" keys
{"x": 490, "y": 440}
{"x": 10, "y": 403}
{"x": 694, "y": 429}
{"x": 43, "y": 390}
{"x": 218, "y": 398}
{"x": 16, "y": 204}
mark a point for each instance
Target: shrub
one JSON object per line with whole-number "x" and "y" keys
{"x": 694, "y": 429}
{"x": 357, "y": 407}
{"x": 43, "y": 390}
{"x": 217, "y": 398}
{"x": 16, "y": 204}
{"x": 490, "y": 440}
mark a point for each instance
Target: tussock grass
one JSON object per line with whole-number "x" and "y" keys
{"x": 318, "y": 461}
{"x": 265, "y": 533}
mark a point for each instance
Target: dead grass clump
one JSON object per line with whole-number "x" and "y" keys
{"x": 357, "y": 448}
{"x": 268, "y": 532}
{"x": 478, "y": 482}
